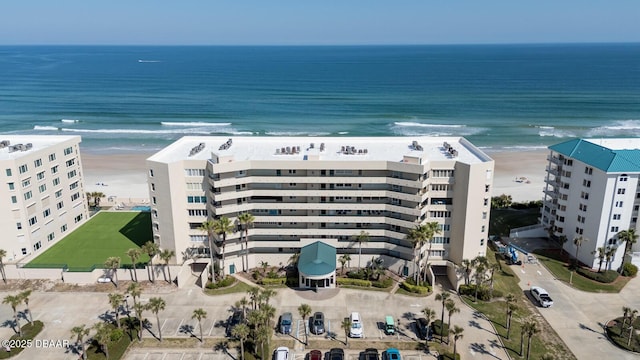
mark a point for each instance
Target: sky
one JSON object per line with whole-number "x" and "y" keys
{"x": 307, "y": 22}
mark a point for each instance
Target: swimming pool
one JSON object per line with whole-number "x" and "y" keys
{"x": 141, "y": 208}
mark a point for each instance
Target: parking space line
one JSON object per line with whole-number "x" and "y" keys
{"x": 163, "y": 323}
{"x": 178, "y": 329}
{"x": 212, "y": 326}
{"x": 182, "y": 357}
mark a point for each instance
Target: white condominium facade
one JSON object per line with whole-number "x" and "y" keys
{"x": 306, "y": 189}
{"x": 42, "y": 192}
{"x": 592, "y": 190}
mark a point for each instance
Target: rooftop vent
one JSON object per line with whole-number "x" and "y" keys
{"x": 448, "y": 149}
{"x": 196, "y": 149}
{"x": 351, "y": 150}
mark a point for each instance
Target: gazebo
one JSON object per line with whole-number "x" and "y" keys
{"x": 317, "y": 266}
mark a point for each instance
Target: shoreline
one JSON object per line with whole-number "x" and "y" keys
{"x": 122, "y": 177}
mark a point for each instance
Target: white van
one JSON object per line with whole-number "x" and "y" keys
{"x": 356, "y": 326}
{"x": 282, "y": 353}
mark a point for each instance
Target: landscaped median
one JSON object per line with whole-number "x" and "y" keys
{"x": 17, "y": 343}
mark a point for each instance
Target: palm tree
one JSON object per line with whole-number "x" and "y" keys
{"x": 523, "y": 331}
{"x": 115, "y": 300}
{"x": 481, "y": 267}
{"x": 532, "y": 329}
{"x": 344, "y": 259}
{"x": 578, "y": 241}
{"x": 24, "y": 296}
{"x": 241, "y": 332}
{"x": 304, "y": 310}
{"x": 430, "y": 229}
{"x": 429, "y": 314}
{"x": 134, "y": 255}
{"x": 208, "y": 227}
{"x": 608, "y": 255}
{"x": 14, "y": 301}
{"x": 629, "y": 237}
{"x": 346, "y": 326}
{"x": 246, "y": 220}
{"x": 103, "y": 336}
{"x": 416, "y": 237}
{"x": 97, "y": 196}
{"x": 166, "y": 255}
{"x": 633, "y": 315}
{"x": 266, "y": 295}
{"x": 135, "y": 291}
{"x": 3, "y": 254}
{"x": 467, "y": 270}
{"x": 511, "y": 307}
{"x": 242, "y": 303}
{"x": 601, "y": 254}
{"x": 360, "y": 238}
{"x": 442, "y": 297}
{"x": 293, "y": 259}
{"x": 152, "y": 249}
{"x": 89, "y": 197}
{"x": 199, "y": 314}
{"x": 223, "y": 227}
{"x": 493, "y": 267}
{"x": 263, "y": 334}
{"x": 254, "y": 295}
{"x": 457, "y": 335}
{"x": 113, "y": 263}
{"x": 139, "y": 308}
{"x": 79, "y": 332}
{"x": 451, "y": 309}
{"x": 626, "y": 311}
{"x": 157, "y": 304}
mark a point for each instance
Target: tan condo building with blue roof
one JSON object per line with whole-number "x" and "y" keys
{"x": 593, "y": 191}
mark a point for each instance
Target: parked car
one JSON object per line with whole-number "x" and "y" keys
{"x": 282, "y": 353}
{"x": 542, "y": 296}
{"x": 285, "y": 323}
{"x": 356, "y": 330}
{"x": 424, "y": 331}
{"x": 317, "y": 323}
{"x": 236, "y": 318}
{"x": 315, "y": 355}
{"x": 370, "y": 354}
{"x": 389, "y": 325}
{"x": 391, "y": 354}
{"x": 336, "y": 354}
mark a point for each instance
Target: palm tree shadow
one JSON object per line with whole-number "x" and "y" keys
{"x": 223, "y": 346}
{"x": 107, "y": 317}
{"x": 10, "y": 323}
{"x": 187, "y": 330}
{"x": 481, "y": 348}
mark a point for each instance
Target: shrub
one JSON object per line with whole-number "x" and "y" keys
{"x": 271, "y": 281}
{"x": 484, "y": 293}
{"x": 354, "y": 282}
{"x": 415, "y": 289}
{"x": 439, "y": 328}
{"x": 272, "y": 274}
{"x": 292, "y": 282}
{"x": 227, "y": 281}
{"x": 255, "y": 274}
{"x": 606, "y": 276}
{"x": 383, "y": 284}
{"x": 356, "y": 275}
{"x": 411, "y": 281}
{"x": 628, "y": 269}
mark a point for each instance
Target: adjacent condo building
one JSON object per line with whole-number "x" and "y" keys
{"x": 42, "y": 192}
{"x": 301, "y": 190}
{"x": 592, "y": 191}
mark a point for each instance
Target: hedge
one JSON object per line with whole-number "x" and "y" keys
{"x": 422, "y": 290}
{"x": 227, "y": 281}
{"x": 274, "y": 281}
{"x": 439, "y": 328}
{"x": 628, "y": 269}
{"x": 606, "y": 276}
{"x": 383, "y": 284}
{"x": 354, "y": 282}
{"x": 484, "y": 293}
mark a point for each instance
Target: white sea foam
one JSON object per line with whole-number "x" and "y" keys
{"x": 618, "y": 128}
{"x": 45, "y": 128}
{"x": 551, "y": 131}
{"x": 70, "y": 121}
{"x": 296, "y": 133}
{"x": 343, "y": 132}
{"x": 416, "y": 124}
{"x": 197, "y": 123}
{"x": 135, "y": 131}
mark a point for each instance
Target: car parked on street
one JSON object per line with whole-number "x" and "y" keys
{"x": 317, "y": 323}
{"x": 542, "y": 296}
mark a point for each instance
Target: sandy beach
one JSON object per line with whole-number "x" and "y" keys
{"x": 123, "y": 176}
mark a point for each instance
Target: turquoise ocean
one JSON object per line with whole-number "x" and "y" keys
{"x": 141, "y": 98}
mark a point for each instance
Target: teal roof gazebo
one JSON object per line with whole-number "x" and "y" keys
{"x": 317, "y": 262}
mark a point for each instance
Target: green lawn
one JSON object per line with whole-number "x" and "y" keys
{"x": 106, "y": 234}
{"x": 503, "y": 220}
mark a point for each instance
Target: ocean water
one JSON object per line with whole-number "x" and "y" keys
{"x": 137, "y": 98}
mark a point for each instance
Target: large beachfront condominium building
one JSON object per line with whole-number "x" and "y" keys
{"x": 592, "y": 191}
{"x": 42, "y": 192}
{"x": 301, "y": 190}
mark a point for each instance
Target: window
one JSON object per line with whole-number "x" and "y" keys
{"x": 54, "y": 170}
{"x": 194, "y": 172}
{"x": 588, "y": 170}
{"x": 8, "y": 172}
{"x": 197, "y": 212}
{"x": 51, "y": 236}
{"x": 37, "y": 246}
{"x": 153, "y": 187}
{"x": 37, "y": 163}
{"x": 26, "y": 182}
{"x": 483, "y": 228}
{"x": 441, "y": 240}
{"x": 484, "y": 215}
{"x": 78, "y": 218}
{"x": 486, "y": 201}
{"x": 28, "y": 195}
{"x": 292, "y": 171}
{"x": 40, "y": 175}
{"x": 614, "y": 229}
{"x": 42, "y": 188}
{"x": 24, "y": 251}
{"x": 71, "y": 174}
{"x": 60, "y": 205}
{"x": 23, "y": 169}
{"x": 440, "y": 214}
{"x": 581, "y": 219}
{"x": 68, "y": 150}
{"x": 46, "y": 213}
{"x": 481, "y": 242}
{"x": 616, "y": 216}
{"x": 582, "y": 207}
{"x": 153, "y": 200}
{"x": 442, "y": 173}
{"x": 33, "y": 221}
{"x": 75, "y": 196}
{"x": 584, "y": 195}
{"x": 19, "y": 225}
{"x": 586, "y": 183}
{"x": 11, "y": 186}
{"x": 197, "y": 199}
{"x": 56, "y": 181}
{"x": 52, "y": 157}
{"x": 14, "y": 199}
{"x": 73, "y": 185}
{"x": 487, "y": 187}
{"x": 58, "y": 193}
{"x": 579, "y": 231}
{"x": 619, "y": 203}
{"x": 71, "y": 162}
{"x": 568, "y": 162}
{"x": 63, "y": 228}
{"x": 444, "y": 227}
{"x": 150, "y": 172}
{"x": 198, "y": 238}
{"x": 621, "y": 191}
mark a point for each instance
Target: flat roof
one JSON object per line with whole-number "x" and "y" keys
{"x": 610, "y": 155}
{"x": 361, "y": 148}
{"x": 38, "y": 143}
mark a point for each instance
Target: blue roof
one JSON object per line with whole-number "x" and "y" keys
{"x": 317, "y": 259}
{"x": 600, "y": 157}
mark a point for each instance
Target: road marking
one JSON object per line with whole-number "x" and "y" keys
{"x": 522, "y": 270}
{"x": 178, "y": 329}
{"x": 415, "y": 305}
{"x": 212, "y": 326}
{"x": 539, "y": 273}
{"x": 189, "y": 292}
{"x": 163, "y": 323}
